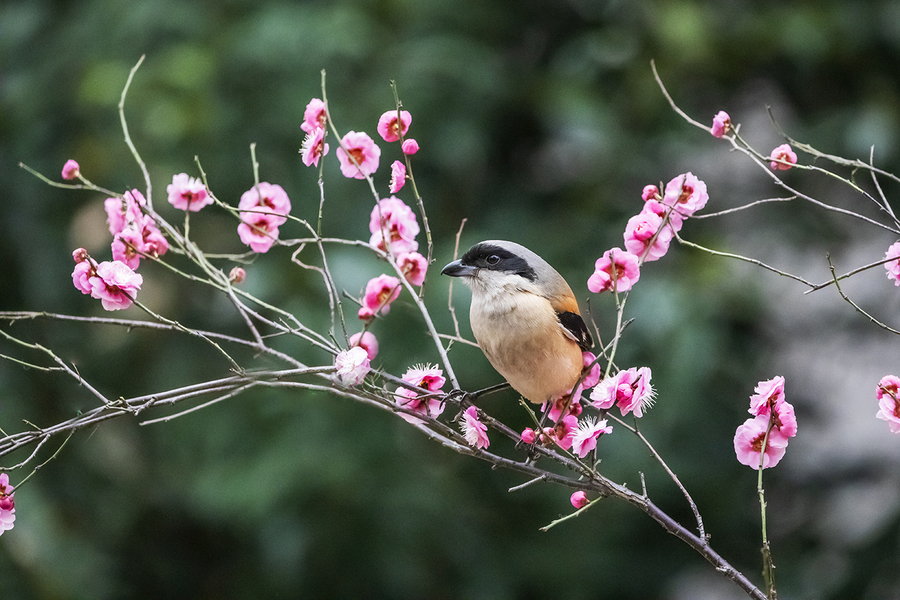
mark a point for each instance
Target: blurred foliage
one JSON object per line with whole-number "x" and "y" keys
{"x": 539, "y": 122}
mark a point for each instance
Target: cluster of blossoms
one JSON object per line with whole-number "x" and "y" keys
{"x": 136, "y": 234}
{"x": 570, "y": 433}
{"x": 264, "y": 208}
{"x": 393, "y": 227}
{"x": 358, "y": 153}
{"x": 7, "y": 504}
{"x": 114, "y": 283}
{"x": 763, "y": 438}
{"x": 648, "y": 234}
{"x": 629, "y": 389}
{"x": 315, "y": 119}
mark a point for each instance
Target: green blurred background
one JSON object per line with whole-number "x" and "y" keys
{"x": 538, "y": 122}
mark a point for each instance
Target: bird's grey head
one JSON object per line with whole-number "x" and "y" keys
{"x": 506, "y": 263}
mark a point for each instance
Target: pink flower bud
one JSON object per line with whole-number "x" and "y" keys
{"x": 579, "y": 499}
{"x": 79, "y": 255}
{"x": 409, "y": 146}
{"x": 529, "y": 436}
{"x": 70, "y": 170}
{"x": 721, "y": 124}
{"x": 651, "y": 192}
{"x": 237, "y": 275}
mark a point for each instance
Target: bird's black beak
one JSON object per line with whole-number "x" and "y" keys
{"x": 457, "y": 269}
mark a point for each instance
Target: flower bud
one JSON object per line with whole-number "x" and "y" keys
{"x": 237, "y": 275}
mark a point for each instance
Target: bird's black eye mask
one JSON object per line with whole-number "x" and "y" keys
{"x": 495, "y": 258}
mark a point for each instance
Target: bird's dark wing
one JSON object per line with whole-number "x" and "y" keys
{"x": 575, "y": 328}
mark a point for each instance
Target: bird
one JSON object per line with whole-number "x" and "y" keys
{"x": 525, "y": 318}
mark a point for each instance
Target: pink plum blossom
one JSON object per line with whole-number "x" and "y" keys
{"x": 585, "y": 437}
{"x": 474, "y": 430}
{"x": 611, "y": 390}
{"x": 618, "y": 278}
{"x": 187, "y": 193}
{"x": 114, "y": 284}
{"x": 783, "y": 153}
{"x": 363, "y": 150}
{"x": 70, "y": 170}
{"x": 770, "y": 412}
{"x": 7, "y": 504}
{"x": 237, "y": 275}
{"x": 413, "y": 266}
{"x": 352, "y": 365}
{"x": 686, "y": 194}
{"x": 138, "y": 237}
{"x": 650, "y": 192}
{"x": 643, "y": 396}
{"x": 79, "y": 255}
{"x": 266, "y": 198}
{"x": 367, "y": 341}
{"x": 424, "y": 376}
{"x": 579, "y": 499}
{"x": 564, "y": 432}
{"x": 562, "y": 406}
{"x": 154, "y": 242}
{"x": 768, "y": 395}
{"x": 380, "y": 292}
{"x": 888, "y": 395}
{"x": 628, "y": 389}
{"x": 391, "y": 217}
{"x": 388, "y": 128}
{"x": 893, "y": 266}
{"x": 785, "y": 422}
{"x": 398, "y": 176}
{"x": 314, "y": 117}
{"x": 528, "y": 435}
{"x": 127, "y": 246}
{"x": 646, "y": 236}
{"x": 748, "y": 444}
{"x": 409, "y": 146}
{"x": 768, "y": 401}
{"x": 125, "y": 211}
{"x": 81, "y": 276}
{"x": 672, "y": 218}
{"x": 721, "y": 124}
{"x": 258, "y": 230}
{"x": 593, "y": 376}
{"x": 314, "y": 147}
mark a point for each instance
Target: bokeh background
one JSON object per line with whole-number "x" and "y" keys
{"x": 538, "y": 122}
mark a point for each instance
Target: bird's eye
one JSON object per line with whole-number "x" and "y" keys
{"x": 493, "y": 259}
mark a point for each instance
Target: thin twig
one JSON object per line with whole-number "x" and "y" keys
{"x": 134, "y": 152}
{"x": 752, "y": 261}
{"x": 854, "y": 304}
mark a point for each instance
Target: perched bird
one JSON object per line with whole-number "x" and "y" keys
{"x": 525, "y": 318}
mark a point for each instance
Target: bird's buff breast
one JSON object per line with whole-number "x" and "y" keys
{"x": 524, "y": 342}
